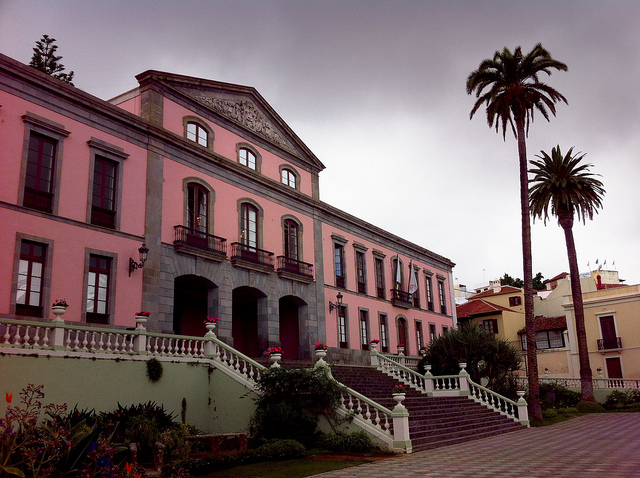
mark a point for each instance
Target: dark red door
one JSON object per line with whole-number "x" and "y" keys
{"x": 614, "y": 368}
{"x": 608, "y": 327}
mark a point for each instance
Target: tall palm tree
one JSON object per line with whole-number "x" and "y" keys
{"x": 565, "y": 188}
{"x": 509, "y": 85}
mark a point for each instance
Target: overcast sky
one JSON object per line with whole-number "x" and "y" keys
{"x": 376, "y": 89}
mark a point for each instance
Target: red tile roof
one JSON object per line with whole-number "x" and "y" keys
{"x": 548, "y": 323}
{"x": 559, "y": 276}
{"x": 479, "y": 307}
{"x": 505, "y": 289}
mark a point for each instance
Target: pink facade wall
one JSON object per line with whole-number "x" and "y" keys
{"x": 375, "y": 306}
{"x": 226, "y": 211}
{"x": 131, "y": 105}
{"x": 225, "y": 144}
{"x": 71, "y": 238}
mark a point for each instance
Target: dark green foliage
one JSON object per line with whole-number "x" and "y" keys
{"x": 486, "y": 355}
{"x": 292, "y": 400}
{"x": 557, "y": 396}
{"x": 45, "y": 59}
{"x": 281, "y": 450}
{"x": 538, "y": 282}
{"x": 154, "y": 369}
{"x": 549, "y": 413}
{"x": 589, "y": 407}
{"x": 623, "y": 399}
{"x": 508, "y": 280}
{"x": 356, "y": 442}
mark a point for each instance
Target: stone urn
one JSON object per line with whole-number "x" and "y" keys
{"x": 275, "y": 358}
{"x": 211, "y": 326}
{"x": 320, "y": 354}
{"x": 141, "y": 321}
{"x": 58, "y": 311}
{"x": 399, "y": 398}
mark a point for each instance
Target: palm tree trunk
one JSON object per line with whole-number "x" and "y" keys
{"x": 586, "y": 379}
{"x": 534, "y": 407}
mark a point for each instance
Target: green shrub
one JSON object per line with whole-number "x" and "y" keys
{"x": 281, "y": 450}
{"x": 623, "y": 399}
{"x": 356, "y": 442}
{"x": 549, "y": 413}
{"x": 567, "y": 410}
{"x": 554, "y": 395}
{"x": 589, "y": 407}
{"x": 283, "y": 421}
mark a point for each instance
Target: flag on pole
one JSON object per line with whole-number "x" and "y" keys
{"x": 589, "y": 265}
{"x": 413, "y": 283}
{"x": 398, "y": 274}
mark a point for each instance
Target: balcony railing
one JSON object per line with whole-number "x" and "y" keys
{"x": 293, "y": 266}
{"x": 40, "y": 200}
{"x": 401, "y": 298}
{"x": 610, "y": 344}
{"x": 103, "y": 217}
{"x": 251, "y": 254}
{"x": 201, "y": 240}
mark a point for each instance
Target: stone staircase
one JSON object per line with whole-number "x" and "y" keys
{"x": 433, "y": 421}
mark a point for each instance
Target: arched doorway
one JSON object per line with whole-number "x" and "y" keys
{"x": 246, "y": 301}
{"x": 194, "y": 298}
{"x": 289, "y": 326}
{"x": 402, "y": 334}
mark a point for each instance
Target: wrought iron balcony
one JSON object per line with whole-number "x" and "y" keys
{"x": 192, "y": 238}
{"x": 295, "y": 269}
{"x": 401, "y": 298}
{"x": 251, "y": 255}
{"x": 610, "y": 344}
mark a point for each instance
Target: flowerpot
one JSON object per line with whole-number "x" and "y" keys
{"x": 520, "y": 394}
{"x": 58, "y": 311}
{"x": 211, "y": 326}
{"x": 373, "y": 345}
{"x": 141, "y": 321}
{"x": 400, "y": 350}
{"x": 321, "y": 354}
{"x": 399, "y": 397}
{"x": 275, "y": 358}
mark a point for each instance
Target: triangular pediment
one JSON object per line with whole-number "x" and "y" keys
{"x": 241, "y": 105}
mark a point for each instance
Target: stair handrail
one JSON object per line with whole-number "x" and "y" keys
{"x": 242, "y": 365}
{"x": 505, "y": 406}
{"x": 399, "y": 371}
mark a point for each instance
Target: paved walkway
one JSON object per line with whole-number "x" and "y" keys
{"x": 591, "y": 446}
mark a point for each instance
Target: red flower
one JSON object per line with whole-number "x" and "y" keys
{"x": 8, "y": 396}
{"x": 128, "y": 467}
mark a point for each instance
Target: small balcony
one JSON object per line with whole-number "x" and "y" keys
{"x": 400, "y": 298}
{"x": 197, "y": 242}
{"x": 35, "y": 199}
{"x": 289, "y": 268}
{"x": 612, "y": 343}
{"x": 251, "y": 257}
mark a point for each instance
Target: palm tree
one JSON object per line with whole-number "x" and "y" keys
{"x": 509, "y": 85}
{"x": 565, "y": 188}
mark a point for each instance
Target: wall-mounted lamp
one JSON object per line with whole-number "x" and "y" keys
{"x": 335, "y": 306}
{"x": 133, "y": 265}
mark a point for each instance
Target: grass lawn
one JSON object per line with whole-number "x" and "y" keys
{"x": 310, "y": 465}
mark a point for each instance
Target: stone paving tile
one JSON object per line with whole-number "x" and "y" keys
{"x": 591, "y": 446}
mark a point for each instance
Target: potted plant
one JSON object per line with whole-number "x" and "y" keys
{"x": 141, "y": 318}
{"x": 210, "y": 323}
{"x": 275, "y": 355}
{"x": 59, "y": 307}
{"x": 400, "y": 348}
{"x": 321, "y": 353}
{"x": 374, "y": 344}
{"x": 398, "y": 394}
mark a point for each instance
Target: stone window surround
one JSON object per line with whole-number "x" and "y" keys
{"x": 253, "y": 149}
{"x": 211, "y": 198}
{"x": 259, "y": 220}
{"x": 200, "y": 122}
{"x": 293, "y": 171}
{"x": 46, "y": 273}
{"x": 113, "y": 272}
{"x": 300, "y": 234}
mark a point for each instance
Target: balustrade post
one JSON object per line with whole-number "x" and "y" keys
{"x": 373, "y": 355}
{"x": 56, "y": 337}
{"x": 401, "y": 439}
{"x": 140, "y": 340}
{"x": 428, "y": 382}
{"x": 463, "y": 376}
{"x": 523, "y": 412}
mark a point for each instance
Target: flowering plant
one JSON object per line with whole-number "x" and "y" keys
{"x": 375, "y": 341}
{"x": 60, "y": 303}
{"x": 321, "y": 346}
{"x": 210, "y": 320}
{"x": 398, "y": 389}
{"x": 144, "y": 313}
{"x": 400, "y": 345}
{"x": 274, "y": 350}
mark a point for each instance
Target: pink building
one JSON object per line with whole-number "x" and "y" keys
{"x": 225, "y": 197}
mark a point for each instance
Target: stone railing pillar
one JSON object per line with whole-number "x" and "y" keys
{"x": 56, "y": 337}
{"x": 463, "y": 376}
{"x": 401, "y": 438}
{"x": 428, "y": 381}
{"x": 140, "y": 340}
{"x": 523, "y": 412}
{"x": 373, "y": 355}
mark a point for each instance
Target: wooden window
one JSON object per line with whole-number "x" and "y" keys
{"x": 429, "y": 290}
{"x": 197, "y": 208}
{"x": 247, "y": 158}
{"x": 379, "y": 264}
{"x": 432, "y": 332}
{"x": 545, "y": 339}
{"x": 98, "y": 289}
{"x": 360, "y": 272}
{"x": 197, "y": 134}
{"x": 342, "y": 328}
{"x": 288, "y": 177}
{"x": 419, "y": 335}
{"x": 443, "y": 297}
{"x": 515, "y": 301}
{"x": 609, "y": 336}
{"x": 364, "y": 326}
{"x": 290, "y": 239}
{"x": 103, "y": 202}
{"x": 402, "y": 334}
{"x": 249, "y": 230}
{"x": 490, "y": 325}
{"x": 338, "y": 262}
{"x": 384, "y": 333}
{"x": 30, "y": 279}
{"x": 38, "y": 191}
